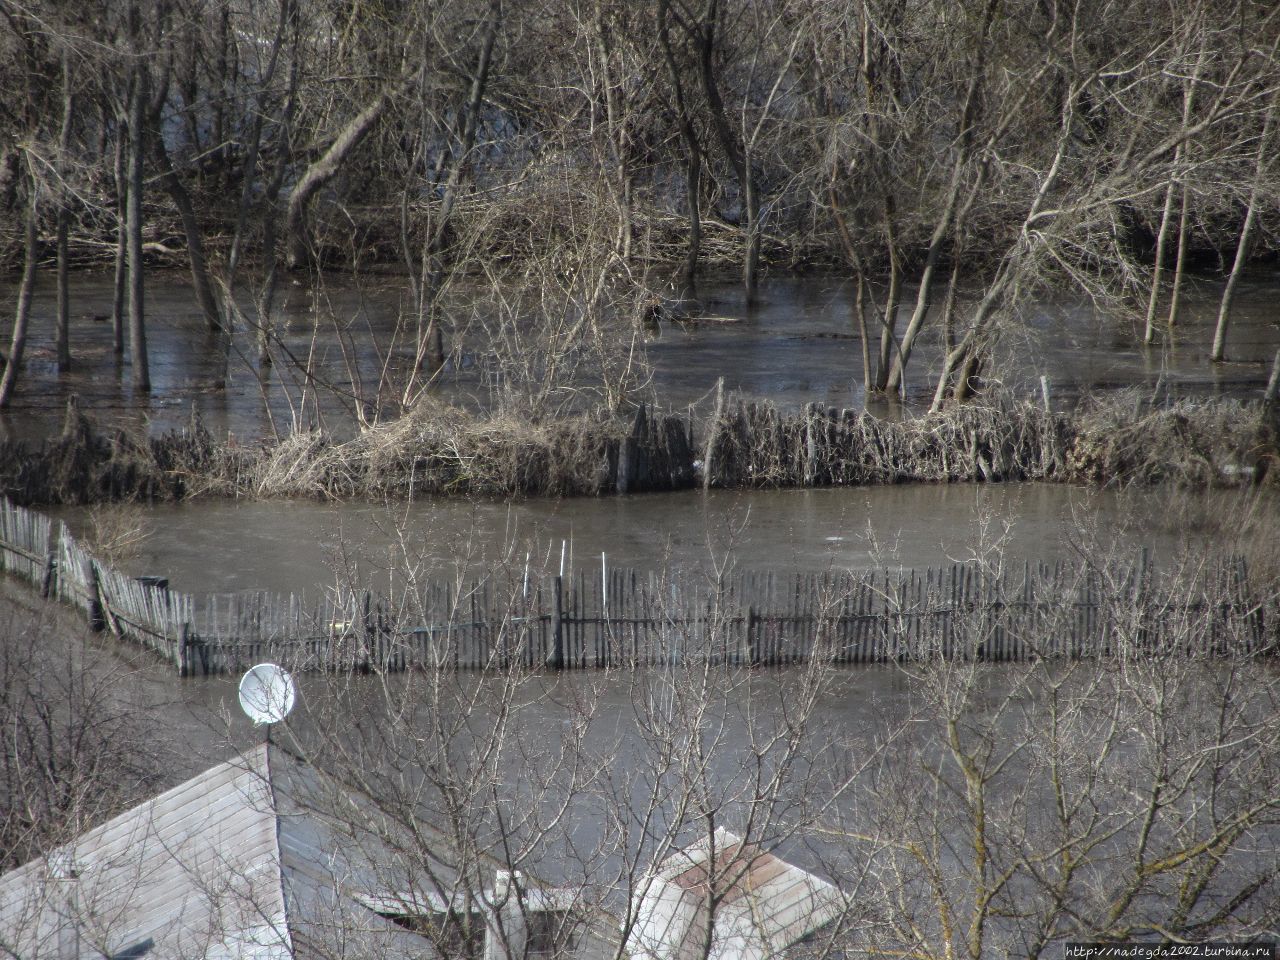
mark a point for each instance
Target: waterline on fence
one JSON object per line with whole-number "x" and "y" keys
{"x": 984, "y": 609}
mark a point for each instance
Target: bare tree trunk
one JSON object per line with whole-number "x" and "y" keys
{"x": 122, "y": 239}
{"x": 254, "y": 139}
{"x": 22, "y": 314}
{"x": 431, "y": 349}
{"x": 1179, "y": 264}
{"x": 1243, "y": 248}
{"x": 1272, "y": 392}
{"x": 954, "y": 213}
{"x": 8, "y": 179}
{"x": 189, "y": 87}
{"x": 860, "y": 281}
{"x": 267, "y": 292}
{"x": 860, "y": 311}
{"x": 223, "y": 100}
{"x": 191, "y": 228}
{"x": 133, "y": 218}
{"x": 970, "y": 369}
{"x": 924, "y": 298}
{"x": 949, "y": 306}
{"x": 616, "y": 133}
{"x": 953, "y": 361}
{"x": 693, "y": 151}
{"x": 1245, "y": 244}
{"x": 270, "y": 261}
{"x": 962, "y": 362}
{"x": 474, "y": 101}
{"x": 270, "y": 231}
{"x": 1157, "y": 271}
{"x": 1166, "y": 216}
{"x": 705, "y": 37}
{"x": 62, "y": 335}
{"x": 889, "y": 322}
{"x": 693, "y": 197}
{"x": 751, "y": 262}
{"x": 320, "y": 172}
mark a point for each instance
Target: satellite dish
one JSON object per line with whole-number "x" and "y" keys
{"x": 266, "y": 694}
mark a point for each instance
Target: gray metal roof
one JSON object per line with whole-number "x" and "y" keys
{"x": 190, "y": 872}
{"x": 259, "y": 857}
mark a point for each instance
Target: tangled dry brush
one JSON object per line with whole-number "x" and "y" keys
{"x": 1120, "y": 440}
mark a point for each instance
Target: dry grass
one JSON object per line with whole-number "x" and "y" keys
{"x": 84, "y": 465}
{"x": 117, "y": 531}
{"x": 1190, "y": 443}
{"x": 753, "y": 445}
{"x": 1118, "y": 440}
{"x": 442, "y": 450}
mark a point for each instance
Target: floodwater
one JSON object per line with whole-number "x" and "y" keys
{"x": 794, "y": 346}
{"x": 214, "y": 546}
{"x": 863, "y": 743}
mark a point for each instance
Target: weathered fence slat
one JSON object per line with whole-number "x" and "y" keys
{"x": 614, "y": 617}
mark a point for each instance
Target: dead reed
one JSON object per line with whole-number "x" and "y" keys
{"x": 1117, "y": 440}
{"x": 83, "y": 465}
{"x": 1188, "y": 442}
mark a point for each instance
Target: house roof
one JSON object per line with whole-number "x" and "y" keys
{"x": 248, "y": 860}
{"x": 188, "y": 873}
{"x": 233, "y": 863}
{"x": 258, "y": 857}
{"x": 758, "y": 904}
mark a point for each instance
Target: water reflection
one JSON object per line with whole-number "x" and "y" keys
{"x": 217, "y": 545}
{"x": 796, "y": 345}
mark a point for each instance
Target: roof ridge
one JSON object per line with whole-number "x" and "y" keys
{"x": 286, "y": 899}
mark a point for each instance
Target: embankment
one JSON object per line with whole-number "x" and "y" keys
{"x": 1120, "y": 440}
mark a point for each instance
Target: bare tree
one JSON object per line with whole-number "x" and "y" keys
{"x": 12, "y": 365}
{"x": 78, "y": 748}
{"x": 1248, "y": 231}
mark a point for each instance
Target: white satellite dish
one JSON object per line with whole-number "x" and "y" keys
{"x": 266, "y": 694}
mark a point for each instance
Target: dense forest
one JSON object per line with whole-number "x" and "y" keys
{"x": 954, "y": 159}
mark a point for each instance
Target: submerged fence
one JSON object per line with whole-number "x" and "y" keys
{"x": 620, "y": 618}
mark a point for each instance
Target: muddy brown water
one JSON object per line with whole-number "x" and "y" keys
{"x": 793, "y": 348}
{"x": 211, "y": 546}
{"x": 303, "y": 546}
{"x": 220, "y": 545}
{"x": 795, "y": 345}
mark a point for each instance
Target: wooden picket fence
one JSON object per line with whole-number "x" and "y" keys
{"x": 619, "y": 618}
{"x": 26, "y": 546}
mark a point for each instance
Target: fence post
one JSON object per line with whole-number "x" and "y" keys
{"x": 753, "y": 656}
{"x": 180, "y": 651}
{"x": 97, "y": 621}
{"x": 49, "y": 584}
{"x": 713, "y": 427}
{"x": 557, "y": 655}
